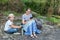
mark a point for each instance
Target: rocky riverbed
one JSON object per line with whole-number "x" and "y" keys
{"x": 49, "y": 32}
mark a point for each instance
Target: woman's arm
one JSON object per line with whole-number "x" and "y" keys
{"x": 23, "y": 21}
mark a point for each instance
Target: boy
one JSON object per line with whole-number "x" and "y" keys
{"x": 9, "y": 26}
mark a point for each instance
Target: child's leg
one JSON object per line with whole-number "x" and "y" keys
{"x": 11, "y": 31}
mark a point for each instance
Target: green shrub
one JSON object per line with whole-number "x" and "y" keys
{"x": 52, "y": 19}
{"x": 3, "y": 1}
{"x": 40, "y": 16}
{"x": 38, "y": 6}
{"x": 6, "y": 13}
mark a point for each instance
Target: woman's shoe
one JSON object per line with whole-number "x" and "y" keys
{"x": 35, "y": 35}
{"x": 32, "y": 36}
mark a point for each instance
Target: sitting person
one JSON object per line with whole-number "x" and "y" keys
{"x": 10, "y": 28}
{"x": 26, "y": 16}
{"x": 30, "y": 28}
{"x": 29, "y": 24}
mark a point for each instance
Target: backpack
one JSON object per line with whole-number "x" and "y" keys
{"x": 39, "y": 23}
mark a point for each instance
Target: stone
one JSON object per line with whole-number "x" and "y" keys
{"x": 5, "y": 37}
{"x": 48, "y": 33}
{"x": 58, "y": 25}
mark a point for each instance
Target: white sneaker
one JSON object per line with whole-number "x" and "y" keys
{"x": 17, "y": 33}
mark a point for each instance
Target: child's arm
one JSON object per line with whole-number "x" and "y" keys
{"x": 13, "y": 26}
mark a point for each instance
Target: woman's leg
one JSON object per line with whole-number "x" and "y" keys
{"x": 34, "y": 29}
{"x": 31, "y": 31}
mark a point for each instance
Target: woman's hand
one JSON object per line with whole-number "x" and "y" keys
{"x": 24, "y": 22}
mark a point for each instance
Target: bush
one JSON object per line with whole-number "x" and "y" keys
{"x": 38, "y": 6}
{"x": 6, "y": 13}
{"x": 52, "y": 19}
{"x": 3, "y": 1}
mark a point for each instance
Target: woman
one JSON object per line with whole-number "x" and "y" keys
{"x": 29, "y": 24}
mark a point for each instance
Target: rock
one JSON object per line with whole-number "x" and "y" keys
{"x": 5, "y": 37}
{"x": 51, "y": 27}
{"x": 34, "y": 13}
{"x": 47, "y": 29}
{"x": 58, "y": 25}
{"x": 48, "y": 33}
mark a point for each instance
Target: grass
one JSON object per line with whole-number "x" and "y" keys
{"x": 6, "y": 13}
{"x": 51, "y": 19}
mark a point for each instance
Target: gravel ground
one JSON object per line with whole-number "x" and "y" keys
{"x": 48, "y": 33}
{"x": 53, "y": 34}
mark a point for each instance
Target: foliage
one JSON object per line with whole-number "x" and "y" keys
{"x": 6, "y": 13}
{"x": 52, "y": 19}
{"x": 3, "y": 1}
{"x": 36, "y": 6}
{"x": 11, "y": 5}
{"x": 56, "y": 16}
{"x": 41, "y": 7}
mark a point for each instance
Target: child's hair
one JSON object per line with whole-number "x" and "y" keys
{"x": 31, "y": 17}
{"x": 9, "y": 16}
{"x": 28, "y": 9}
